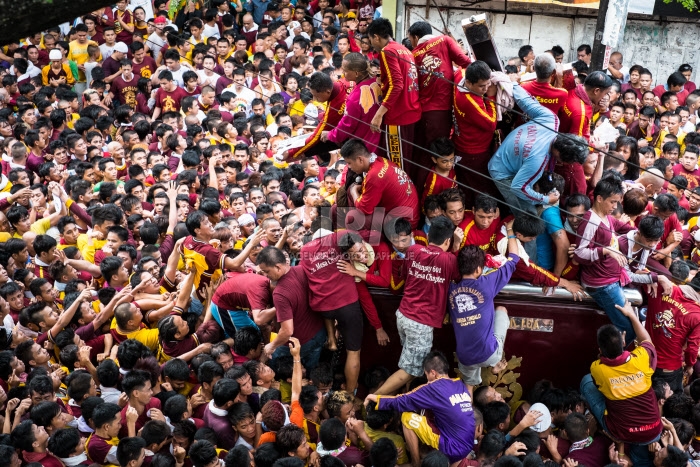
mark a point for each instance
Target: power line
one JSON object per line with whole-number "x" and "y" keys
{"x": 496, "y": 182}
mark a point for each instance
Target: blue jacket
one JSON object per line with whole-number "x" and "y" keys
{"x": 524, "y": 154}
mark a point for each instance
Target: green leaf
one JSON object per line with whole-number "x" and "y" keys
{"x": 687, "y": 4}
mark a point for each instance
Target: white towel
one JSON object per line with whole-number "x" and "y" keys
{"x": 504, "y": 94}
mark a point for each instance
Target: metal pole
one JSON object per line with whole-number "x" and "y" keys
{"x": 598, "y": 52}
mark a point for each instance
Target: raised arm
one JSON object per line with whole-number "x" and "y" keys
{"x": 295, "y": 350}
{"x": 639, "y": 329}
{"x": 65, "y": 318}
{"x": 235, "y": 263}
{"x": 123, "y": 296}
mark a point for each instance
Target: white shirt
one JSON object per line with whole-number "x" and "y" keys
{"x": 155, "y": 43}
{"x": 107, "y": 50}
{"x": 110, "y": 394}
{"x": 243, "y": 99}
{"x": 210, "y": 31}
{"x": 625, "y": 70}
{"x": 204, "y": 77}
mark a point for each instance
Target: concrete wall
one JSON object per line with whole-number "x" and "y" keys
{"x": 659, "y": 46}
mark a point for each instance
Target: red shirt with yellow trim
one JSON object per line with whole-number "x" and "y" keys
{"x": 673, "y": 321}
{"x": 434, "y": 58}
{"x": 436, "y": 184}
{"x": 547, "y": 95}
{"x": 576, "y": 113}
{"x": 692, "y": 177}
{"x": 632, "y": 413}
{"x": 388, "y": 186}
{"x": 331, "y": 117}
{"x": 475, "y": 120}
{"x": 473, "y": 235}
{"x": 399, "y": 85}
{"x": 98, "y": 448}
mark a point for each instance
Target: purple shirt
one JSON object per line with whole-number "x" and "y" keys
{"x": 472, "y": 312}
{"x": 221, "y": 425}
{"x": 34, "y": 162}
{"x": 450, "y": 401}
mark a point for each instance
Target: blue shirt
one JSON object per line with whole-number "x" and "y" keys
{"x": 524, "y": 154}
{"x": 259, "y": 9}
{"x": 545, "y": 245}
{"x": 472, "y": 312}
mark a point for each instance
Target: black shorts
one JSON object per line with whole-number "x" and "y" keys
{"x": 350, "y": 324}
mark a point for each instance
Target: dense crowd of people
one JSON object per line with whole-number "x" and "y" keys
{"x": 195, "y": 205}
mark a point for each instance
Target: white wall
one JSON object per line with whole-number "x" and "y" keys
{"x": 660, "y": 47}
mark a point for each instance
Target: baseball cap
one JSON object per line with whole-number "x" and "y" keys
{"x": 545, "y": 420}
{"x": 55, "y": 54}
{"x": 310, "y": 122}
{"x": 350, "y": 15}
{"x": 121, "y": 47}
{"x": 246, "y": 219}
{"x": 160, "y": 20}
{"x": 293, "y": 25}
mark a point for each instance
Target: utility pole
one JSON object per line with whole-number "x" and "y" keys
{"x": 598, "y": 52}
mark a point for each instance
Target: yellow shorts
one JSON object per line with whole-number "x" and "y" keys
{"x": 420, "y": 426}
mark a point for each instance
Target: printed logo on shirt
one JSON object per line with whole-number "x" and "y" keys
{"x": 665, "y": 321}
{"x": 464, "y": 401}
{"x": 430, "y": 65}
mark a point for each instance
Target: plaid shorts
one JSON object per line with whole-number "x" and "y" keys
{"x": 417, "y": 341}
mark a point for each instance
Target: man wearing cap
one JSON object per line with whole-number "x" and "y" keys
{"x": 111, "y": 65}
{"x": 156, "y": 41}
{"x": 247, "y": 224}
{"x": 56, "y": 72}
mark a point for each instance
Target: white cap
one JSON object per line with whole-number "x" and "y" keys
{"x": 545, "y": 421}
{"x": 246, "y": 219}
{"x": 696, "y": 235}
{"x": 121, "y": 47}
{"x": 55, "y": 54}
{"x": 293, "y": 25}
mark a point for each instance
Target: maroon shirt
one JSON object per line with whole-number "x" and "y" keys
{"x": 170, "y": 101}
{"x": 144, "y": 69}
{"x": 291, "y": 302}
{"x": 595, "y": 453}
{"x": 329, "y": 289}
{"x": 125, "y": 91}
{"x": 243, "y": 291}
{"x": 143, "y": 418}
{"x": 430, "y": 270}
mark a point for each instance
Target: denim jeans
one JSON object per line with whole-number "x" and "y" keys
{"x": 310, "y": 351}
{"x": 607, "y": 297}
{"x": 595, "y": 399}
{"x": 639, "y": 453}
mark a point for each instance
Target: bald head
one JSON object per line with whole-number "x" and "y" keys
{"x": 652, "y": 180}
